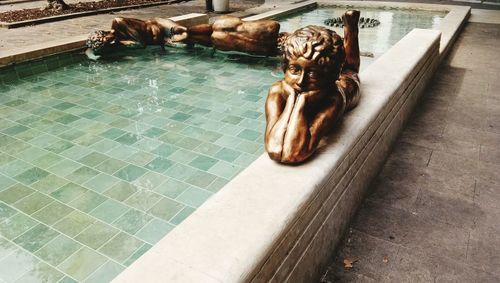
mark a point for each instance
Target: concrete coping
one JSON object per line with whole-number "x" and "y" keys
{"x": 259, "y": 216}
{"x": 40, "y": 50}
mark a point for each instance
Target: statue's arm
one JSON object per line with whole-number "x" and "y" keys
{"x": 279, "y": 105}
{"x": 303, "y": 135}
{"x": 127, "y": 32}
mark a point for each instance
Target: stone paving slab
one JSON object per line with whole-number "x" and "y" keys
{"x": 432, "y": 215}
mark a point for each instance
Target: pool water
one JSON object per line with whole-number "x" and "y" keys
{"x": 394, "y": 25}
{"x": 100, "y": 160}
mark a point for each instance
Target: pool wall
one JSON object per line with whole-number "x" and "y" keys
{"x": 280, "y": 223}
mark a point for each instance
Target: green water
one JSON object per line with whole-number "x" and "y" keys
{"x": 100, "y": 160}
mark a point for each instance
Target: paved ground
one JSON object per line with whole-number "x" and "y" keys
{"x": 432, "y": 215}
{"x": 24, "y": 36}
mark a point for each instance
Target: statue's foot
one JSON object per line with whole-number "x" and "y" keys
{"x": 351, "y": 19}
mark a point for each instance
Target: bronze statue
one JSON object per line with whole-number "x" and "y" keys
{"x": 321, "y": 83}
{"x": 131, "y": 32}
{"x": 229, "y": 33}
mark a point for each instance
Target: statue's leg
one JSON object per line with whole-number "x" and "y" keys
{"x": 351, "y": 43}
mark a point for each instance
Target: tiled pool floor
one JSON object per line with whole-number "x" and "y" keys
{"x": 98, "y": 161}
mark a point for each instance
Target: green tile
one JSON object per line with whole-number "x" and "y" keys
{"x": 189, "y": 143}
{"x": 5, "y": 182}
{"x": 171, "y": 137}
{"x": 154, "y": 231}
{"x": 109, "y": 211}
{"x": 87, "y": 140}
{"x": 96, "y": 235}
{"x": 122, "y": 152}
{"x": 31, "y": 175}
{"x": 68, "y": 118}
{"x": 74, "y": 223}
{"x": 105, "y": 273}
{"x": 58, "y": 250}
{"x": 68, "y": 192}
{"x": 183, "y": 214}
{"x": 203, "y": 162}
{"x": 141, "y": 158}
{"x": 227, "y": 154}
{"x": 171, "y": 188}
{"x": 165, "y": 150}
{"x": 180, "y": 117}
{"x": 93, "y": 159}
{"x": 49, "y": 184}
{"x": 207, "y": 148}
{"x": 88, "y": 201}
{"x": 132, "y": 221}
{"x": 143, "y": 199}
{"x": 33, "y": 203}
{"x": 35, "y": 238}
{"x": 216, "y": 185}
{"x": 180, "y": 172}
{"x": 150, "y": 180}
{"x": 76, "y": 152}
{"x": 121, "y": 247}
{"x": 130, "y": 173}
{"x": 42, "y": 272}
{"x": 121, "y": 191}
{"x": 166, "y": 209}
{"x": 159, "y": 164}
{"x": 16, "y": 225}
{"x": 52, "y": 213}
{"x": 194, "y": 197}
{"x": 15, "y": 193}
{"x": 64, "y": 167}
{"x": 225, "y": 170}
{"x": 112, "y": 133}
{"x": 154, "y": 132}
{"x": 249, "y": 135}
{"x": 71, "y": 134}
{"x": 15, "y": 265}
{"x": 82, "y": 263}
{"x": 67, "y": 279}
{"x": 128, "y": 139}
{"x": 138, "y": 253}
{"x": 64, "y": 106}
{"x": 44, "y": 140}
{"x": 47, "y": 160}
{"x": 230, "y": 119}
{"x": 6, "y": 211}
{"x": 200, "y": 178}
{"x": 15, "y": 130}
{"x": 111, "y": 166}
{"x": 101, "y": 182}
{"x": 82, "y": 175}
{"x": 5, "y": 158}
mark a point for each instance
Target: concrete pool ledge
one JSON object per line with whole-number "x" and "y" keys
{"x": 73, "y": 43}
{"x": 281, "y": 223}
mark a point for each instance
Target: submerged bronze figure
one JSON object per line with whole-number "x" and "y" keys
{"x": 229, "y": 33}
{"x": 321, "y": 83}
{"x": 136, "y": 33}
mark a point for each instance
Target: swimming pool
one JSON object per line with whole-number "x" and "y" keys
{"x": 99, "y": 160}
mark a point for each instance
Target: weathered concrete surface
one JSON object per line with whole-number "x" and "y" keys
{"x": 433, "y": 214}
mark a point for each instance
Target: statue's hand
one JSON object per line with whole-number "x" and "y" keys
{"x": 179, "y": 34}
{"x": 312, "y": 96}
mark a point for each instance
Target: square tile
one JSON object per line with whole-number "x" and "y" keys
{"x": 138, "y": 253}
{"x": 111, "y": 166}
{"x": 41, "y": 272}
{"x": 16, "y": 225}
{"x": 203, "y": 162}
{"x": 49, "y": 184}
{"x": 154, "y": 231}
{"x": 121, "y": 247}
{"x": 15, "y": 265}
{"x": 52, "y": 213}
{"x": 74, "y": 223}
{"x": 47, "y": 160}
{"x": 93, "y": 159}
{"x": 194, "y": 197}
{"x": 82, "y": 263}
{"x": 160, "y": 164}
{"x": 183, "y": 214}
{"x": 68, "y": 192}
{"x": 109, "y": 211}
{"x": 82, "y": 175}
{"x": 166, "y": 209}
{"x": 35, "y": 238}
{"x": 15, "y": 193}
{"x": 31, "y": 175}
{"x": 6, "y": 211}
{"x": 130, "y": 172}
{"x": 96, "y": 235}
{"x": 121, "y": 191}
{"x": 64, "y": 167}
{"x": 106, "y": 273}
{"x": 201, "y": 179}
{"x": 227, "y": 154}
{"x": 33, "y": 203}
{"x": 143, "y": 199}
{"x": 88, "y": 201}
{"x": 58, "y": 250}
{"x": 132, "y": 221}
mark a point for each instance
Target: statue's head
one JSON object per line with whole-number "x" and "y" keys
{"x": 99, "y": 39}
{"x": 312, "y": 58}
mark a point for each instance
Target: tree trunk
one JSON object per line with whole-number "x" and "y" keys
{"x": 57, "y": 5}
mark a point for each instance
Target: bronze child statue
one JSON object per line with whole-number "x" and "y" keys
{"x": 136, "y": 33}
{"x": 321, "y": 83}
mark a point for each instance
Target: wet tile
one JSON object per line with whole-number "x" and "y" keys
{"x": 82, "y": 263}
{"x": 33, "y": 203}
{"x": 74, "y": 223}
{"x": 88, "y": 201}
{"x": 194, "y": 197}
{"x": 166, "y": 209}
{"x": 52, "y": 213}
{"x": 159, "y": 164}
{"x": 41, "y": 272}
{"x": 121, "y": 247}
{"x": 130, "y": 173}
{"x": 16, "y": 225}
{"x": 105, "y": 273}
{"x": 58, "y": 250}
{"x": 121, "y": 191}
{"x": 15, "y": 265}
{"x": 165, "y": 150}
{"x": 68, "y": 192}
{"x": 132, "y": 221}
{"x": 96, "y": 235}
{"x": 109, "y": 211}
{"x": 31, "y": 175}
{"x": 141, "y": 158}
{"x": 15, "y": 193}
{"x": 171, "y": 188}
{"x": 154, "y": 231}
{"x": 35, "y": 238}
{"x": 150, "y": 180}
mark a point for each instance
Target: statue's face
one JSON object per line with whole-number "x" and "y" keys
{"x": 305, "y": 75}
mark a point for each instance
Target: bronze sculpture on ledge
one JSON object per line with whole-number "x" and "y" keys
{"x": 321, "y": 83}
{"x": 136, "y": 33}
{"x": 228, "y": 33}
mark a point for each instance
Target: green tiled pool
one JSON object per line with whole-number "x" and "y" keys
{"x": 100, "y": 160}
